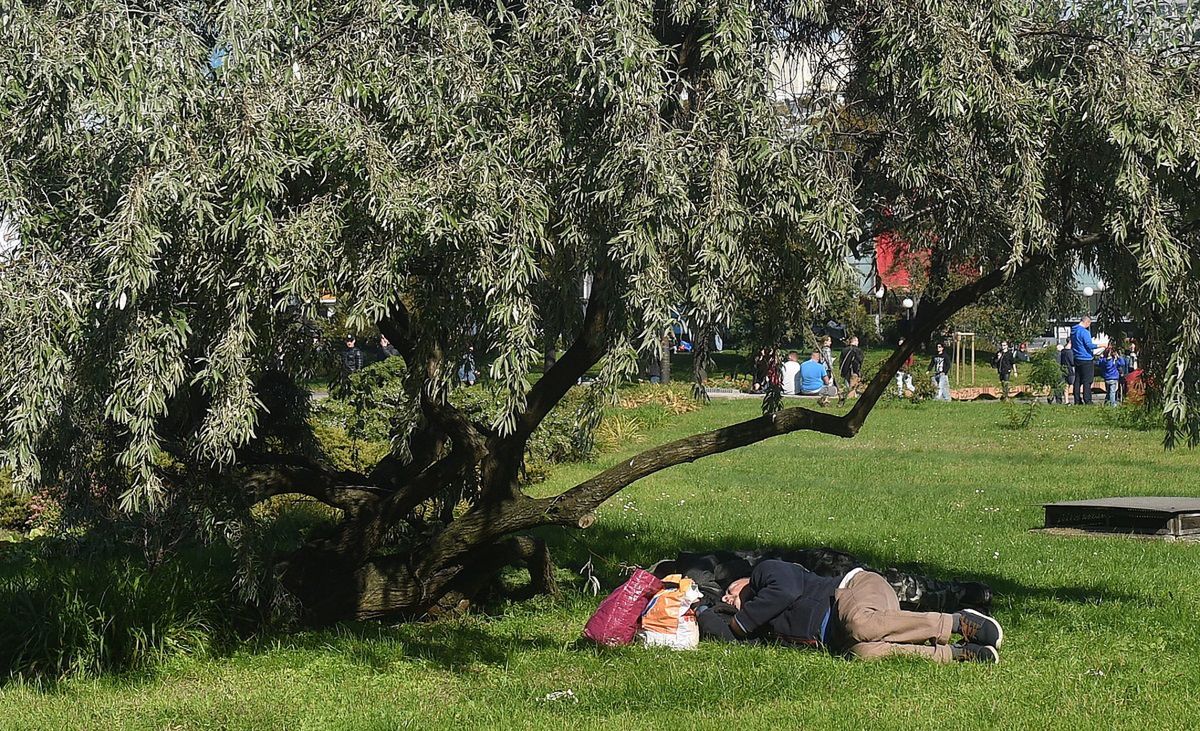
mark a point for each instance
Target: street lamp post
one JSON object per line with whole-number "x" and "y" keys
{"x": 879, "y": 293}
{"x": 908, "y": 306}
{"x": 1087, "y": 293}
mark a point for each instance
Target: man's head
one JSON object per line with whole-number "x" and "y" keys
{"x": 793, "y": 356}
{"x": 1086, "y": 321}
{"x": 854, "y": 340}
{"x": 1004, "y": 345}
{"x": 941, "y": 348}
{"x": 350, "y": 340}
{"x": 736, "y": 593}
{"x": 816, "y": 355}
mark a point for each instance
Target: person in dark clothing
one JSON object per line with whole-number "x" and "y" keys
{"x": 857, "y": 615}
{"x": 939, "y": 370}
{"x": 1084, "y": 351}
{"x": 851, "y": 368}
{"x": 1124, "y": 367}
{"x": 714, "y": 572}
{"x": 653, "y": 369}
{"x": 1004, "y": 366}
{"x": 386, "y": 349}
{"x": 1066, "y": 362}
{"x": 762, "y": 369}
{"x": 352, "y": 357}
{"x": 466, "y": 367}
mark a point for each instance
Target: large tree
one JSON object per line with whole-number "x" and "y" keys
{"x": 187, "y": 177}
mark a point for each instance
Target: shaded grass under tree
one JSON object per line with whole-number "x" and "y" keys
{"x": 1099, "y": 629}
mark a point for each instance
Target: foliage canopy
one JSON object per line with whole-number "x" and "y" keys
{"x": 188, "y": 177}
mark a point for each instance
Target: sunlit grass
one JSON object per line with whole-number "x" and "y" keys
{"x": 1101, "y": 632}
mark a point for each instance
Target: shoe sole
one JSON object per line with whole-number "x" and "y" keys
{"x": 995, "y": 655}
{"x": 993, "y": 620}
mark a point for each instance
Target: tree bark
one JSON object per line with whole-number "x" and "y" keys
{"x": 664, "y": 366}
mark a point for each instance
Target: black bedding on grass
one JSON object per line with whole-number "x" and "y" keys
{"x": 713, "y": 572}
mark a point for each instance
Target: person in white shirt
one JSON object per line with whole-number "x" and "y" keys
{"x": 791, "y": 373}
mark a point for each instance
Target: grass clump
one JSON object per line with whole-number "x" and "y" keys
{"x": 82, "y": 616}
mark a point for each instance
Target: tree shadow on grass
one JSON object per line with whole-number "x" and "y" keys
{"x": 457, "y": 645}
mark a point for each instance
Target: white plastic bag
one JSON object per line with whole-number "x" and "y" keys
{"x": 670, "y": 620}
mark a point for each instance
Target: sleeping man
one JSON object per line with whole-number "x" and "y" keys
{"x": 857, "y": 614}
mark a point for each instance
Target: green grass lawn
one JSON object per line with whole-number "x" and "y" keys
{"x": 1100, "y": 632}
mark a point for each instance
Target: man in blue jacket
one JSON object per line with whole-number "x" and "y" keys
{"x": 857, "y": 614}
{"x": 1084, "y": 351}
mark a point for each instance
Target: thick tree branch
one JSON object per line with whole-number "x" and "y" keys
{"x": 269, "y": 475}
{"x": 584, "y": 353}
{"x": 574, "y": 507}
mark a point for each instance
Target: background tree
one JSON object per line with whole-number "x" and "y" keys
{"x": 187, "y": 176}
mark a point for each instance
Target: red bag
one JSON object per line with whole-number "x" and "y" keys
{"x": 616, "y": 619}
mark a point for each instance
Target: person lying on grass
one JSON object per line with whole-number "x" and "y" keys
{"x": 857, "y": 615}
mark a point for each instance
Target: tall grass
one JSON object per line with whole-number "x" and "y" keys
{"x": 61, "y": 617}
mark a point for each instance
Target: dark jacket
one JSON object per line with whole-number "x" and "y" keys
{"x": 1066, "y": 361}
{"x": 1003, "y": 362}
{"x": 852, "y": 360}
{"x": 787, "y": 602}
{"x": 352, "y": 360}
{"x": 940, "y": 364}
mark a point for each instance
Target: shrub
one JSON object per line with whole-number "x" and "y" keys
{"x": 676, "y": 397}
{"x": 15, "y": 511}
{"x": 64, "y": 617}
{"x": 618, "y": 429}
{"x": 1135, "y": 416}
{"x": 1043, "y": 375}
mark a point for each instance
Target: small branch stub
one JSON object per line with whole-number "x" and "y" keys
{"x": 587, "y": 521}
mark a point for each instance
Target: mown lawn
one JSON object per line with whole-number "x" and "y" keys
{"x": 1101, "y": 632}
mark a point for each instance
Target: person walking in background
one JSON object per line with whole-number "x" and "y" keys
{"x": 851, "y": 369}
{"x": 1111, "y": 364}
{"x": 466, "y": 367}
{"x": 654, "y": 369}
{"x": 790, "y": 374}
{"x": 352, "y": 357}
{"x": 1084, "y": 352}
{"x": 904, "y": 380}
{"x": 1003, "y": 363}
{"x": 1020, "y": 355}
{"x": 1066, "y": 363}
{"x": 939, "y": 368}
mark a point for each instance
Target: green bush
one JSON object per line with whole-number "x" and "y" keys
{"x": 1135, "y": 416}
{"x": 1043, "y": 376}
{"x": 15, "y": 511}
{"x": 65, "y": 617}
{"x": 368, "y": 412}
